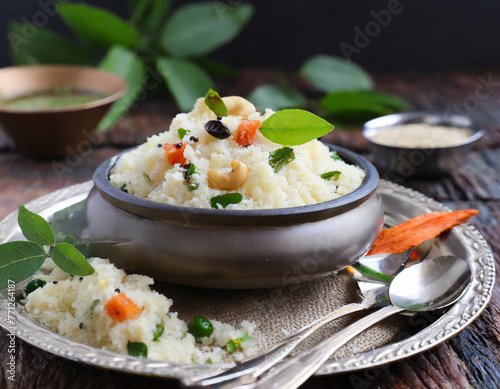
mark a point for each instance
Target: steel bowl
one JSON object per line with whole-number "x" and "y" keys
{"x": 420, "y": 162}
{"x": 233, "y": 249}
{"x": 55, "y": 132}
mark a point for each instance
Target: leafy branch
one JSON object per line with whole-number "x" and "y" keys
{"x": 349, "y": 96}
{"x": 153, "y": 43}
{"x": 21, "y": 259}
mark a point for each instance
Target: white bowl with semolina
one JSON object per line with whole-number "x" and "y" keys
{"x": 419, "y": 144}
{"x": 314, "y": 214}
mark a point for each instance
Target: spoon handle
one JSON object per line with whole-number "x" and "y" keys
{"x": 294, "y": 372}
{"x": 254, "y": 367}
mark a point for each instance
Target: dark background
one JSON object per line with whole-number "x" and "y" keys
{"x": 425, "y": 35}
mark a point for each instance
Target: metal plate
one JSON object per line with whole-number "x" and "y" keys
{"x": 400, "y": 203}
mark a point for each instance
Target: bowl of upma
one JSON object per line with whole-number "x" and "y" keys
{"x": 213, "y": 202}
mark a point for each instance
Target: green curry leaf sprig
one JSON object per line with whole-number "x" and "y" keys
{"x": 349, "y": 98}
{"x": 19, "y": 260}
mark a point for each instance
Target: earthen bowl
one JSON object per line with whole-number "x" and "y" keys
{"x": 55, "y": 132}
{"x": 219, "y": 248}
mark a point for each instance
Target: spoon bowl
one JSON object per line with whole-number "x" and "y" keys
{"x": 433, "y": 284}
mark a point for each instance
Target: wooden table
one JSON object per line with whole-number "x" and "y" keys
{"x": 471, "y": 359}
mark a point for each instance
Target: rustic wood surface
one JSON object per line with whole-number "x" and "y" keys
{"x": 471, "y": 359}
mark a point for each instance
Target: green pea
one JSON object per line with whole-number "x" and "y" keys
{"x": 137, "y": 349}
{"x": 200, "y": 327}
{"x": 33, "y": 285}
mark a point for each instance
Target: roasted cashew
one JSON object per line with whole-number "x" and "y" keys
{"x": 238, "y": 106}
{"x": 228, "y": 181}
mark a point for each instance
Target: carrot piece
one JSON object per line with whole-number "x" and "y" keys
{"x": 246, "y": 132}
{"x": 417, "y": 230}
{"x": 175, "y": 153}
{"x": 121, "y": 308}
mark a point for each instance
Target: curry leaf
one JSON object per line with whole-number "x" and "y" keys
{"x": 329, "y": 73}
{"x": 30, "y": 45}
{"x": 19, "y": 260}
{"x": 276, "y": 97}
{"x": 125, "y": 63}
{"x": 225, "y": 200}
{"x": 337, "y": 102}
{"x": 294, "y": 127}
{"x": 198, "y": 29}
{"x": 160, "y": 327}
{"x": 185, "y": 80}
{"x": 215, "y": 103}
{"x": 70, "y": 260}
{"x": 280, "y": 158}
{"x": 182, "y": 132}
{"x": 97, "y": 26}
{"x": 329, "y": 175}
{"x": 35, "y": 228}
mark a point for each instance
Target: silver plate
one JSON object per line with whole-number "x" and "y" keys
{"x": 465, "y": 241}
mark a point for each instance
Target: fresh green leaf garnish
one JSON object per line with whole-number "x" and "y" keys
{"x": 185, "y": 80}
{"x": 334, "y": 174}
{"x": 90, "y": 311}
{"x": 137, "y": 349}
{"x": 182, "y": 132}
{"x": 225, "y": 200}
{"x": 19, "y": 260}
{"x": 294, "y": 127}
{"x": 215, "y": 103}
{"x": 146, "y": 177}
{"x": 329, "y": 73}
{"x": 280, "y": 158}
{"x": 97, "y": 26}
{"x": 125, "y": 63}
{"x": 123, "y": 187}
{"x": 189, "y": 180}
{"x": 198, "y": 29}
{"x": 336, "y": 156}
{"x": 276, "y": 97}
{"x": 235, "y": 344}
{"x": 35, "y": 228}
{"x": 70, "y": 260}
{"x": 160, "y": 327}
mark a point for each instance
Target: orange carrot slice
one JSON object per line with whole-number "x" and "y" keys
{"x": 417, "y": 230}
{"x": 246, "y": 132}
{"x": 121, "y": 308}
{"x": 175, "y": 153}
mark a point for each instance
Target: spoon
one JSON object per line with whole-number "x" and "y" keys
{"x": 432, "y": 284}
{"x": 373, "y": 293}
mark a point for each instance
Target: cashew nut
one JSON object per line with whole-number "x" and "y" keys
{"x": 238, "y": 106}
{"x": 228, "y": 181}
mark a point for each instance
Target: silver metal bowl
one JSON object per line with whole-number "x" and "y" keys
{"x": 420, "y": 162}
{"x": 233, "y": 249}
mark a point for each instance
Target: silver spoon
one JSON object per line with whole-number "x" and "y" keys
{"x": 373, "y": 294}
{"x": 432, "y": 284}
